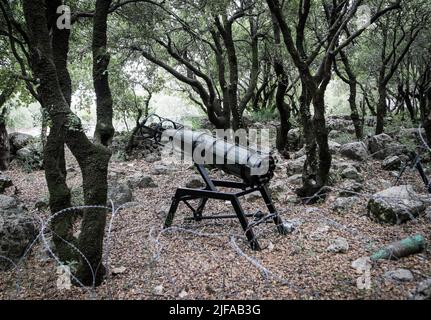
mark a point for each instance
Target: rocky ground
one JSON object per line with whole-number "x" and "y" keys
{"x": 211, "y": 259}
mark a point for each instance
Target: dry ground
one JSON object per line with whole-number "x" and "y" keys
{"x": 211, "y": 259}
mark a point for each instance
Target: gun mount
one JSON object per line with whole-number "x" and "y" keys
{"x": 254, "y": 168}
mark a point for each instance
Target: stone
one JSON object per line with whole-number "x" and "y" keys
{"x": 355, "y": 151}
{"x": 120, "y": 193}
{"x": 295, "y": 179}
{"x": 253, "y": 197}
{"x": 24, "y": 154}
{"x": 293, "y": 199}
{"x": 362, "y": 264}
{"x": 423, "y": 291}
{"x": 392, "y": 163}
{"x": 383, "y": 146}
{"x": 152, "y": 157}
{"x": 161, "y": 169}
{"x": 41, "y": 205}
{"x": 334, "y": 147}
{"x": 299, "y": 154}
{"x": 377, "y": 145}
{"x": 19, "y": 140}
{"x": 352, "y": 174}
{"x": 291, "y": 225}
{"x": 295, "y": 138}
{"x": 395, "y": 205}
{"x": 7, "y": 202}
{"x": 277, "y": 188}
{"x": 195, "y": 182}
{"x": 428, "y": 215}
{"x": 296, "y": 166}
{"x": 17, "y": 231}
{"x": 401, "y": 275}
{"x": 341, "y": 205}
{"x": 5, "y": 182}
{"x": 339, "y": 245}
{"x": 141, "y": 182}
{"x": 320, "y": 233}
{"x": 350, "y": 188}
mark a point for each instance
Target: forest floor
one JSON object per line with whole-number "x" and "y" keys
{"x": 211, "y": 259}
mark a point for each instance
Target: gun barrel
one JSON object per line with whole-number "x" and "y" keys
{"x": 254, "y": 167}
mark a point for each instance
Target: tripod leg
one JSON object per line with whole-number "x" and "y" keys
{"x": 172, "y": 210}
{"x": 200, "y": 209}
{"x": 244, "y": 223}
{"x": 269, "y": 204}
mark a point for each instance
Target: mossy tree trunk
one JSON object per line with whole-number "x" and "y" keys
{"x": 66, "y": 127}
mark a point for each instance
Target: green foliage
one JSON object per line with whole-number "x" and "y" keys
{"x": 264, "y": 115}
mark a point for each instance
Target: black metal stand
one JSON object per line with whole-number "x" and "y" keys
{"x": 415, "y": 162}
{"x": 211, "y": 192}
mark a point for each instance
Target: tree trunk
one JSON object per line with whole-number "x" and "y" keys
{"x": 282, "y": 85}
{"x": 4, "y": 143}
{"x": 93, "y": 159}
{"x": 104, "y": 127}
{"x": 381, "y": 109}
{"x": 4, "y": 137}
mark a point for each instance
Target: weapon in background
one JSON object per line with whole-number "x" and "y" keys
{"x": 415, "y": 162}
{"x": 255, "y": 168}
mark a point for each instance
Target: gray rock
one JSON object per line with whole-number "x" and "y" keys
{"x": 320, "y": 233}
{"x": 7, "y": 202}
{"x": 344, "y": 204}
{"x": 299, "y": 154}
{"x": 428, "y": 214}
{"x": 277, "y": 187}
{"x": 392, "y": 163}
{"x": 24, "y": 153}
{"x": 195, "y": 182}
{"x": 401, "y": 275}
{"x": 41, "y": 204}
{"x": 295, "y": 138}
{"x": 293, "y": 199}
{"x": 378, "y": 145}
{"x": 120, "y": 193}
{"x": 295, "y": 179}
{"x": 19, "y": 140}
{"x": 423, "y": 291}
{"x": 339, "y": 245}
{"x": 152, "y": 157}
{"x": 354, "y": 151}
{"x": 396, "y": 205}
{"x": 160, "y": 169}
{"x": 291, "y": 225}
{"x": 253, "y": 197}
{"x": 5, "y": 182}
{"x": 383, "y": 146}
{"x": 352, "y": 174}
{"x": 17, "y": 231}
{"x": 334, "y": 147}
{"x": 333, "y": 134}
{"x": 295, "y": 166}
{"x": 350, "y": 188}
{"x": 141, "y": 182}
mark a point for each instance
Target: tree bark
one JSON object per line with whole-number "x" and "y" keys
{"x": 282, "y": 86}
{"x": 104, "y": 127}
{"x": 93, "y": 159}
{"x": 381, "y": 109}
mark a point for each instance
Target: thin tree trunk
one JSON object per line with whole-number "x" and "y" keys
{"x": 104, "y": 127}
{"x": 381, "y": 109}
